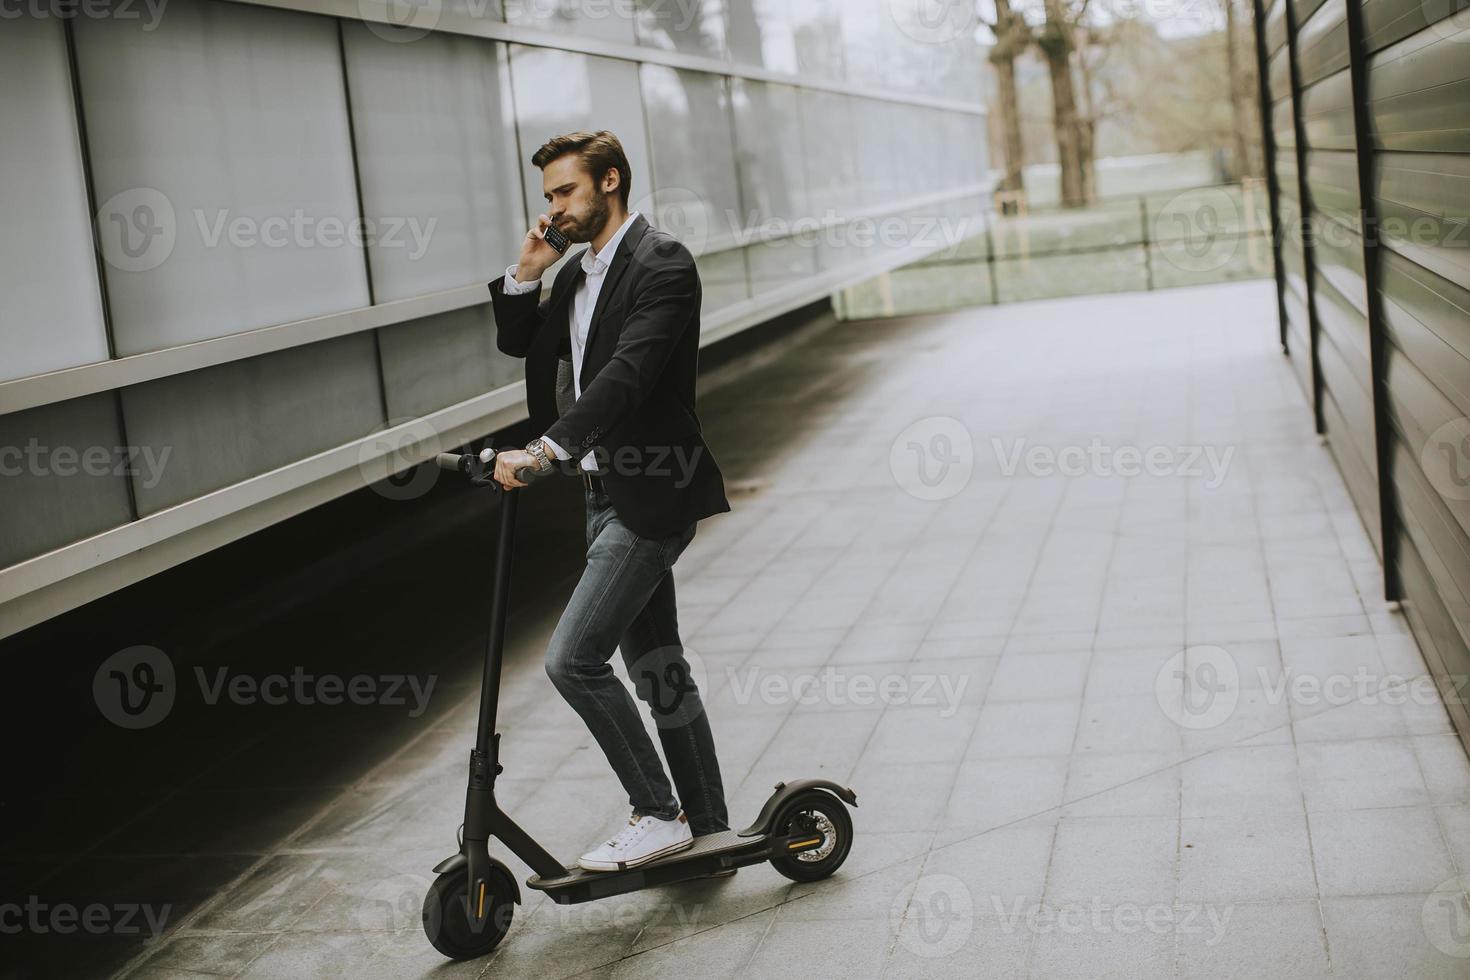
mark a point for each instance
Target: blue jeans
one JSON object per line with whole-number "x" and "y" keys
{"x": 625, "y": 599}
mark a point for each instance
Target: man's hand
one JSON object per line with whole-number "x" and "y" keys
{"x": 536, "y": 255}
{"x": 507, "y": 461}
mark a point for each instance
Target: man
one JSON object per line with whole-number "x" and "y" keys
{"x": 611, "y": 358}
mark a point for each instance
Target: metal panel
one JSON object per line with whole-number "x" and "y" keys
{"x": 435, "y": 362}
{"x": 228, "y": 423}
{"x": 436, "y": 156}
{"x": 48, "y": 269}
{"x": 63, "y": 475}
{"x": 221, "y": 157}
{"x": 1321, "y": 41}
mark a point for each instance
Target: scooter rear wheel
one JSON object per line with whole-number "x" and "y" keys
{"x": 447, "y": 920}
{"x": 814, "y": 812}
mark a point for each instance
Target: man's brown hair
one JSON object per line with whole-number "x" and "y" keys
{"x": 600, "y": 152}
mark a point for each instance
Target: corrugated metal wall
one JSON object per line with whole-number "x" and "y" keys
{"x": 1370, "y": 113}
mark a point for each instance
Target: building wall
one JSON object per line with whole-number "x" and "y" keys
{"x": 1377, "y": 296}
{"x": 183, "y": 284}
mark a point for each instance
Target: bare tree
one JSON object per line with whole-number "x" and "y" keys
{"x": 1012, "y": 37}
{"x": 1057, "y": 44}
{"x": 1238, "y": 112}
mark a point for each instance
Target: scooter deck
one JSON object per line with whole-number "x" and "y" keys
{"x": 711, "y": 852}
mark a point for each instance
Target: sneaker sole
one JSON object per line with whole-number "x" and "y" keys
{"x": 625, "y": 865}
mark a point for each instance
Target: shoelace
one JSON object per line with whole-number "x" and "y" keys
{"x": 626, "y": 835}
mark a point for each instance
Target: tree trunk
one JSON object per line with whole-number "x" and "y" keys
{"x": 1237, "y": 114}
{"x": 1056, "y": 45}
{"x": 1012, "y": 36}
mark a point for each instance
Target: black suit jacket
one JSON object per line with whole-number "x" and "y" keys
{"x": 636, "y": 412}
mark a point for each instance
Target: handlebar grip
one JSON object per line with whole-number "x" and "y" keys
{"x": 453, "y": 461}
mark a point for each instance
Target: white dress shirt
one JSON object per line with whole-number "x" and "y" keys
{"x": 584, "y": 302}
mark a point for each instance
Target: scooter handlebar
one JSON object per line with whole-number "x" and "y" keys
{"x": 481, "y": 468}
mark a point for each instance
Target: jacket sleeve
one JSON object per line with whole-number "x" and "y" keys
{"x": 517, "y": 317}
{"x": 666, "y": 303}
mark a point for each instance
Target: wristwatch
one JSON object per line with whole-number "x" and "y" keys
{"x": 537, "y": 448}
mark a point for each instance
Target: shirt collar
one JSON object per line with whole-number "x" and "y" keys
{"x": 593, "y": 264}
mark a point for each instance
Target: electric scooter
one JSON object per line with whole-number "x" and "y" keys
{"x": 803, "y": 830}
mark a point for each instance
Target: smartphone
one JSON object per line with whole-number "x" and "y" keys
{"x": 556, "y": 239}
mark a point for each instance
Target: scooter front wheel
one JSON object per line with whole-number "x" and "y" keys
{"x": 814, "y": 814}
{"x": 451, "y": 924}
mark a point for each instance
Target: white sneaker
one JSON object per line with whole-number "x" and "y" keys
{"x": 644, "y": 839}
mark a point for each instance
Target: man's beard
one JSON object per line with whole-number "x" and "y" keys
{"x": 586, "y": 229}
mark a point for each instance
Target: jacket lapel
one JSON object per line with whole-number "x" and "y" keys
{"x": 621, "y": 257}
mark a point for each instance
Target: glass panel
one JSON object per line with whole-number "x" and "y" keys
{"x": 721, "y": 280}
{"x": 690, "y": 26}
{"x": 48, "y": 270}
{"x": 611, "y": 20}
{"x": 222, "y": 161}
{"x": 762, "y": 34}
{"x": 436, "y": 361}
{"x": 436, "y": 154}
{"x": 697, "y": 195}
{"x": 769, "y": 136}
{"x": 63, "y": 473}
{"x": 832, "y": 153}
{"x": 559, "y": 92}
{"x": 227, "y": 423}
